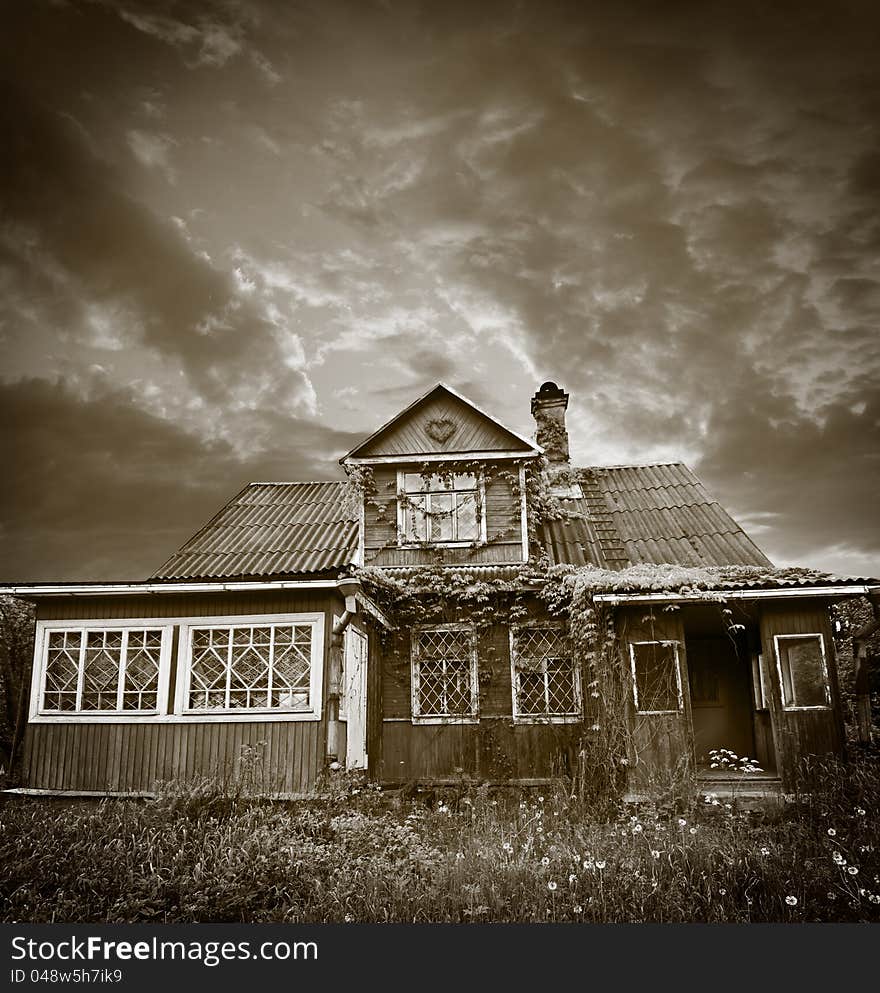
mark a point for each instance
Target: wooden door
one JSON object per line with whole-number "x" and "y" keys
{"x": 659, "y": 708}
{"x": 354, "y": 691}
{"x": 798, "y": 653}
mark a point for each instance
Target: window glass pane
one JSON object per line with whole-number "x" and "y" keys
{"x": 103, "y": 657}
{"x": 210, "y": 649}
{"x": 546, "y": 684}
{"x": 656, "y": 676}
{"x": 142, "y": 661}
{"x": 249, "y": 675}
{"x": 441, "y": 507}
{"x": 62, "y": 670}
{"x": 269, "y": 667}
{"x": 561, "y": 693}
{"x": 444, "y": 673}
{"x": 414, "y": 482}
{"x": 466, "y": 518}
{"x": 803, "y": 675}
{"x": 532, "y": 697}
{"x": 416, "y": 527}
{"x": 291, "y": 671}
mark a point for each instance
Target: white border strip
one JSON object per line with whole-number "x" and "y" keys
{"x": 113, "y": 589}
{"x": 760, "y": 594}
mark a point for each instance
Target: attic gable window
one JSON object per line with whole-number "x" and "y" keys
{"x": 546, "y": 682}
{"x": 101, "y": 671}
{"x": 253, "y": 665}
{"x": 440, "y": 509}
{"x": 444, "y": 674}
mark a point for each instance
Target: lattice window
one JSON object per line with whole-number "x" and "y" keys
{"x": 656, "y": 677}
{"x": 102, "y": 670}
{"x": 444, "y": 674}
{"x": 546, "y": 682}
{"x": 251, "y": 667}
{"x": 440, "y": 508}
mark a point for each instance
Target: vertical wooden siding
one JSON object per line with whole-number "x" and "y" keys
{"x": 110, "y": 756}
{"x": 494, "y": 748}
{"x": 133, "y": 757}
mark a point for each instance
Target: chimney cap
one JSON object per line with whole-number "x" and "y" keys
{"x": 549, "y": 395}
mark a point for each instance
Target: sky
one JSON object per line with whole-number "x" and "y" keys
{"x": 236, "y": 236}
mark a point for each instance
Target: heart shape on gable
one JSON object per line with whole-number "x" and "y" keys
{"x": 440, "y": 429}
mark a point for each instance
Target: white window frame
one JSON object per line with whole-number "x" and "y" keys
{"x": 474, "y": 716}
{"x": 403, "y": 539}
{"x": 570, "y": 718}
{"x": 255, "y": 714}
{"x": 678, "y": 687}
{"x": 760, "y": 696}
{"x": 39, "y": 715}
{"x": 777, "y": 639}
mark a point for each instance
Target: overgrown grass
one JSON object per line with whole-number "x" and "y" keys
{"x": 203, "y": 853}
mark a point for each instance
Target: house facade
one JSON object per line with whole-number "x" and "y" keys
{"x": 467, "y": 604}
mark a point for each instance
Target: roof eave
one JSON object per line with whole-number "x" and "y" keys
{"x": 775, "y": 593}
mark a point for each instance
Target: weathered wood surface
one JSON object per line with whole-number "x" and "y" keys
{"x": 493, "y": 749}
{"x": 467, "y": 430}
{"x": 801, "y": 733}
{"x": 133, "y": 757}
{"x": 114, "y": 756}
{"x": 660, "y": 745}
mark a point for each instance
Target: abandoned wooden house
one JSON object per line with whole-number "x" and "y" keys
{"x": 466, "y": 605}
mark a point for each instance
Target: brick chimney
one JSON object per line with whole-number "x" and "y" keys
{"x": 548, "y": 408}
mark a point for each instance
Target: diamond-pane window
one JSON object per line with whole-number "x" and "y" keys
{"x": 440, "y": 508}
{"x": 102, "y": 670}
{"x": 251, "y": 667}
{"x": 444, "y": 673}
{"x": 546, "y": 683}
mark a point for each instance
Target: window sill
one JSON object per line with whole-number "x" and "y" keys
{"x": 569, "y": 719}
{"x": 250, "y": 717}
{"x": 428, "y": 545}
{"x": 446, "y": 720}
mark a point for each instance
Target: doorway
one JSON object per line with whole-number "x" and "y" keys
{"x": 354, "y": 697}
{"x": 721, "y": 698}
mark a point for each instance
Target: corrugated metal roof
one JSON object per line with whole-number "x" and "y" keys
{"x": 627, "y": 515}
{"x": 655, "y": 514}
{"x": 272, "y": 529}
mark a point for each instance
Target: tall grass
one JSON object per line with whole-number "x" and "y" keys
{"x": 204, "y": 852}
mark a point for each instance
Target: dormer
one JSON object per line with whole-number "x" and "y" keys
{"x": 444, "y": 481}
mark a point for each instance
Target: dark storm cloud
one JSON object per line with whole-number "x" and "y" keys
{"x": 102, "y": 490}
{"x": 243, "y": 211}
{"x": 70, "y": 207}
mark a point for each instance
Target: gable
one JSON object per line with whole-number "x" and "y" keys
{"x": 438, "y": 424}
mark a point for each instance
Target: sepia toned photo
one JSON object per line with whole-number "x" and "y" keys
{"x": 441, "y": 463}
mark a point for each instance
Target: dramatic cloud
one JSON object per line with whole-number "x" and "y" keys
{"x": 103, "y": 490}
{"x": 264, "y": 227}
